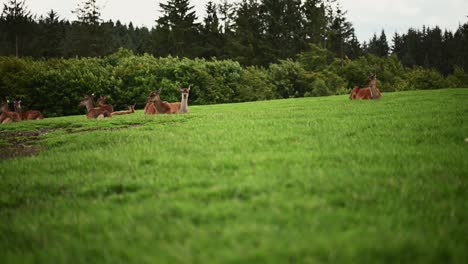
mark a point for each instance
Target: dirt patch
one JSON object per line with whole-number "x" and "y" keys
{"x": 20, "y": 143}
{"x": 73, "y": 131}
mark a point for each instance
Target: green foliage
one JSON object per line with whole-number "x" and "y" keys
{"x": 55, "y": 86}
{"x": 420, "y": 78}
{"x": 315, "y": 58}
{"x": 290, "y": 78}
{"x": 255, "y": 85}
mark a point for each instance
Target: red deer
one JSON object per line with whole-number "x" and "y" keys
{"x": 131, "y": 110}
{"x": 27, "y": 115}
{"x": 369, "y": 92}
{"x": 150, "y": 108}
{"x": 6, "y": 115}
{"x": 163, "y": 107}
{"x": 101, "y": 102}
{"x": 184, "y": 101}
{"x": 93, "y": 112}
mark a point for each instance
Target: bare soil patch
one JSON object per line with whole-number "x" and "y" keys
{"x": 21, "y": 143}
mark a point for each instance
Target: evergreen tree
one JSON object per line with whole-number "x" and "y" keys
{"x": 228, "y": 13}
{"x": 379, "y": 46}
{"x": 52, "y": 35}
{"x": 211, "y": 35}
{"x": 339, "y": 32}
{"x": 282, "y": 22}
{"x": 315, "y": 21}
{"x": 246, "y": 43}
{"x": 17, "y": 21}
{"x": 177, "y": 31}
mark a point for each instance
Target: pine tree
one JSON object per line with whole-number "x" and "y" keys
{"x": 88, "y": 12}
{"x": 18, "y": 20}
{"x": 379, "y": 46}
{"x": 315, "y": 21}
{"x": 177, "y": 31}
{"x": 339, "y": 32}
{"x": 228, "y": 13}
{"x": 211, "y": 35}
{"x": 52, "y": 35}
{"x": 247, "y": 40}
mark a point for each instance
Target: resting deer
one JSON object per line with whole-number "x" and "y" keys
{"x": 150, "y": 108}
{"x": 184, "y": 101}
{"x": 93, "y": 112}
{"x": 27, "y": 115}
{"x": 101, "y": 102}
{"x": 6, "y": 115}
{"x": 369, "y": 92}
{"x": 163, "y": 107}
{"x": 131, "y": 110}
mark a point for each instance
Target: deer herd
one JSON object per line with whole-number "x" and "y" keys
{"x": 154, "y": 104}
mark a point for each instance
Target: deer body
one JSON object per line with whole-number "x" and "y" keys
{"x": 101, "y": 102}
{"x": 131, "y": 110}
{"x": 150, "y": 109}
{"x": 365, "y": 93}
{"x": 369, "y": 92}
{"x": 94, "y": 112}
{"x": 163, "y": 107}
{"x": 27, "y": 115}
{"x": 7, "y": 116}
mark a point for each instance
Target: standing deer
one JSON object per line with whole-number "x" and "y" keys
{"x": 184, "y": 101}
{"x": 131, "y": 110}
{"x": 6, "y": 115}
{"x": 163, "y": 107}
{"x": 93, "y": 112}
{"x": 150, "y": 108}
{"x": 101, "y": 102}
{"x": 369, "y": 92}
{"x": 27, "y": 115}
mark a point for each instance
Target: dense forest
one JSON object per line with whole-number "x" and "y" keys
{"x": 252, "y": 32}
{"x": 249, "y": 50}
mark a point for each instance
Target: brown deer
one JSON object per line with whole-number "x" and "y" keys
{"x": 369, "y": 92}
{"x": 93, "y": 112}
{"x": 184, "y": 101}
{"x": 27, "y": 115}
{"x": 163, "y": 107}
{"x": 131, "y": 110}
{"x": 150, "y": 108}
{"x": 6, "y": 115}
{"x": 101, "y": 102}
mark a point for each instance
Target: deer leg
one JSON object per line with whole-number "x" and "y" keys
{"x": 7, "y": 121}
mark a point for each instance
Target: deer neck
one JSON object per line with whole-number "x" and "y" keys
{"x": 89, "y": 105}
{"x": 373, "y": 89}
{"x": 158, "y": 104}
{"x": 184, "y": 104}
{"x": 18, "y": 109}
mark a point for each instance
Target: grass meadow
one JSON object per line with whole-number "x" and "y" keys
{"x": 315, "y": 180}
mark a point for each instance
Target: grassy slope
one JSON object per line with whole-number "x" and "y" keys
{"x": 313, "y": 179}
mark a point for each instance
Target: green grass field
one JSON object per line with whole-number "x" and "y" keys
{"x": 301, "y": 180}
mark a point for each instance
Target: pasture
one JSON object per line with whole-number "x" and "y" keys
{"x": 301, "y": 180}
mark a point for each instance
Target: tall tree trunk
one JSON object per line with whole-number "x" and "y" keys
{"x": 16, "y": 44}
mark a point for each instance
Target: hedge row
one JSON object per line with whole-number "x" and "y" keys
{"x": 55, "y": 86}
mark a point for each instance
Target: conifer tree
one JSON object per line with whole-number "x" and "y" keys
{"x": 17, "y": 20}
{"x": 177, "y": 30}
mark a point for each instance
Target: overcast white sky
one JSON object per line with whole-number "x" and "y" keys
{"x": 368, "y": 16}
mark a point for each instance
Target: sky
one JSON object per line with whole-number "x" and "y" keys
{"x": 367, "y": 16}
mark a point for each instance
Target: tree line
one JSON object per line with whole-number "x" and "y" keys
{"x": 252, "y": 32}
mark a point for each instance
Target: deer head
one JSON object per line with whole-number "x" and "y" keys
{"x": 154, "y": 96}
{"x": 17, "y": 105}
{"x": 87, "y": 101}
{"x": 4, "y": 106}
{"x": 185, "y": 92}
